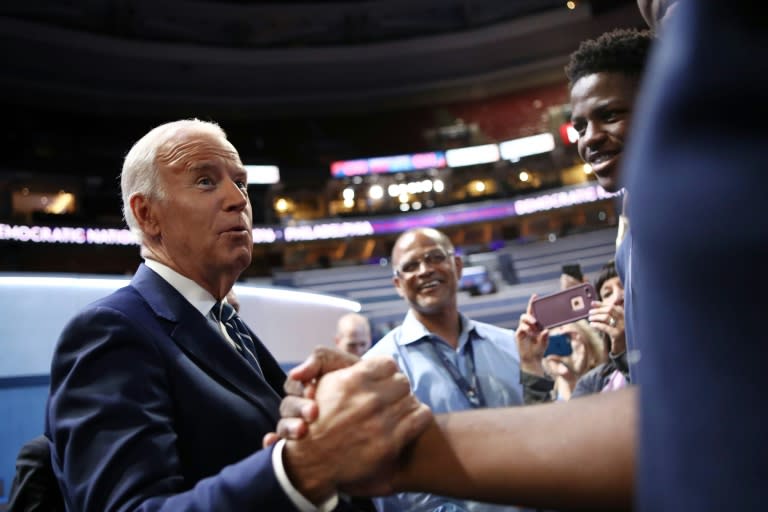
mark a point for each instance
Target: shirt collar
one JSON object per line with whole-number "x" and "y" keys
{"x": 195, "y": 294}
{"x": 412, "y": 330}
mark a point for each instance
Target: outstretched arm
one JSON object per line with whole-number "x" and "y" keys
{"x": 572, "y": 455}
{"x": 566, "y": 455}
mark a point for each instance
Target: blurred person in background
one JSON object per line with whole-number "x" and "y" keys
{"x": 353, "y": 334}
{"x": 549, "y": 376}
{"x": 607, "y": 316}
{"x": 605, "y": 368}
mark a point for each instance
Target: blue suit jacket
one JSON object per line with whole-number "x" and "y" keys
{"x": 150, "y": 410}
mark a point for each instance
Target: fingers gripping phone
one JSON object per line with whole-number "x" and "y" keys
{"x": 563, "y": 307}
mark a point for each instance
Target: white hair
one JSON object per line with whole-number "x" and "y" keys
{"x": 140, "y": 174}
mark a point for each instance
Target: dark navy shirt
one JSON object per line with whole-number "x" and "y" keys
{"x": 696, "y": 169}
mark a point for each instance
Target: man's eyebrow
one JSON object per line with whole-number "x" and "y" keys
{"x": 201, "y": 166}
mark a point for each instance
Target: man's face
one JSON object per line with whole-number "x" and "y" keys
{"x": 427, "y": 274}
{"x": 601, "y": 111}
{"x": 356, "y": 342}
{"x": 204, "y": 219}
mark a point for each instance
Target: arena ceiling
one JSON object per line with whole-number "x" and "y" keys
{"x": 250, "y": 59}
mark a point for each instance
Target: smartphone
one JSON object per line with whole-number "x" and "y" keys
{"x": 564, "y": 307}
{"x": 559, "y": 345}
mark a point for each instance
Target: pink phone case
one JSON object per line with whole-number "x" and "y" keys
{"x": 565, "y": 306}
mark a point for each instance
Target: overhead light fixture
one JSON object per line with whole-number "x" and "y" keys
{"x": 262, "y": 174}
{"x": 516, "y": 149}
{"x": 376, "y": 192}
{"x": 473, "y": 155}
{"x": 281, "y": 205}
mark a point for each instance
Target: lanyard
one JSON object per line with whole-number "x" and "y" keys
{"x": 472, "y": 391}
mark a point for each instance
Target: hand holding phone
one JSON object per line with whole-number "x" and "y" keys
{"x": 563, "y": 307}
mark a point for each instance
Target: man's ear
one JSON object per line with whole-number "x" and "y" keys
{"x": 396, "y": 281}
{"x": 144, "y": 213}
{"x": 459, "y": 266}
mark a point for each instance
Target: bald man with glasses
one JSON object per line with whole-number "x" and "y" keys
{"x": 453, "y": 363}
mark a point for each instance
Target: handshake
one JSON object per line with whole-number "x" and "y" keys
{"x": 353, "y": 426}
{"x": 347, "y": 423}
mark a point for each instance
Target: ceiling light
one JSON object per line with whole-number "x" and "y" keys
{"x": 376, "y": 192}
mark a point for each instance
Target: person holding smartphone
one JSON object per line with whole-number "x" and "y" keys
{"x": 552, "y": 361}
{"x": 607, "y": 317}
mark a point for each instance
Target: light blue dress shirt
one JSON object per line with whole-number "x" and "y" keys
{"x": 497, "y": 368}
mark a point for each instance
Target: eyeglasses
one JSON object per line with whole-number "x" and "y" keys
{"x": 432, "y": 258}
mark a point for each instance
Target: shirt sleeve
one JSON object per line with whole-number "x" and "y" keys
{"x": 302, "y": 503}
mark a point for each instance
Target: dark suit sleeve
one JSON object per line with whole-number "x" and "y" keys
{"x": 111, "y": 419}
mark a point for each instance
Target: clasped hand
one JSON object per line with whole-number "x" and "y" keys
{"x": 346, "y": 422}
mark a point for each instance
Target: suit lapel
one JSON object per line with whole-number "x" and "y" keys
{"x": 192, "y": 332}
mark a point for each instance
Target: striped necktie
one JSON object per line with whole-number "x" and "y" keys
{"x": 227, "y": 317}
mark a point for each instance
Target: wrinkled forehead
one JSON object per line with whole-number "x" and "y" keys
{"x": 189, "y": 146}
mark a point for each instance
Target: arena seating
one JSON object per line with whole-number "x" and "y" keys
{"x": 537, "y": 266}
